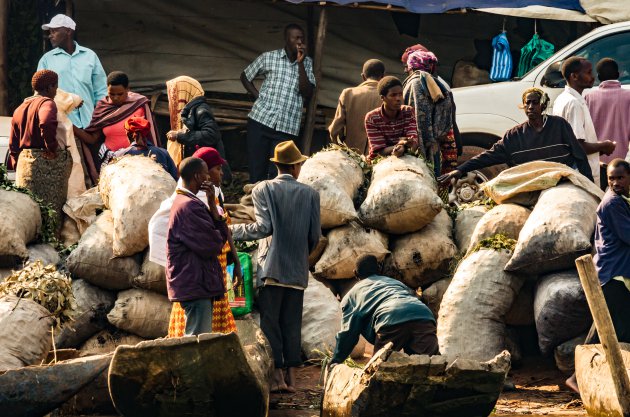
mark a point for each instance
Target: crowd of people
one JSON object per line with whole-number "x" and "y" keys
{"x": 79, "y": 120}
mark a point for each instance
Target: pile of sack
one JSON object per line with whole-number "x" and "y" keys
{"x": 519, "y": 263}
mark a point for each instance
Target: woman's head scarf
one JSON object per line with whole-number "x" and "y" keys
{"x": 422, "y": 60}
{"x": 409, "y": 50}
{"x": 181, "y": 91}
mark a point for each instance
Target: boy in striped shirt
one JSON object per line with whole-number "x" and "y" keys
{"x": 391, "y": 128}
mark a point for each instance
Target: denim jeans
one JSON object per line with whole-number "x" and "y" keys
{"x": 198, "y": 316}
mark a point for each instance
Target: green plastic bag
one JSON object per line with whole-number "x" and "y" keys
{"x": 241, "y": 297}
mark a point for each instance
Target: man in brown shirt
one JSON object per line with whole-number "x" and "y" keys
{"x": 348, "y": 126}
{"x": 34, "y": 122}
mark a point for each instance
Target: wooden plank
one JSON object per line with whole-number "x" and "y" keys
{"x": 605, "y": 330}
{"x": 4, "y": 67}
{"x": 317, "y": 69}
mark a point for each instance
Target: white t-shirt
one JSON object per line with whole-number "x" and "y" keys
{"x": 571, "y": 106}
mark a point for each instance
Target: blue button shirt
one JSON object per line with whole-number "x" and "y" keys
{"x": 80, "y": 73}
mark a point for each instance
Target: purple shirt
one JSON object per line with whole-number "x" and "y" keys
{"x": 609, "y": 105}
{"x": 193, "y": 243}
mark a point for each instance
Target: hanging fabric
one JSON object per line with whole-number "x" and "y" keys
{"x": 534, "y": 52}
{"x": 501, "y": 69}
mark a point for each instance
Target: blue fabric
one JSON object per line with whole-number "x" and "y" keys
{"x": 501, "y": 69}
{"x": 612, "y": 238}
{"x": 160, "y": 155}
{"x": 80, "y": 73}
{"x": 373, "y": 303}
{"x": 434, "y": 6}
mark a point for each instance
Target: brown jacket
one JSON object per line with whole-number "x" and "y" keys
{"x": 349, "y": 123}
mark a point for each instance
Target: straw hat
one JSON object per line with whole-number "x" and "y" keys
{"x": 287, "y": 153}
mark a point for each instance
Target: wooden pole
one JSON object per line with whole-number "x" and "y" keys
{"x": 4, "y": 67}
{"x": 309, "y": 126}
{"x": 605, "y": 330}
{"x": 70, "y": 9}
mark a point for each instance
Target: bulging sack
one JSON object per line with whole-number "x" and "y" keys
{"x": 93, "y": 259}
{"x": 93, "y": 304}
{"x": 560, "y": 309}
{"x": 105, "y": 342}
{"x": 505, "y": 219}
{"x": 557, "y": 231}
{"x": 20, "y": 223}
{"x": 321, "y": 319}
{"x": 24, "y": 332}
{"x": 141, "y": 312}
{"x": 133, "y": 188}
{"x": 152, "y": 276}
{"x": 337, "y": 178}
{"x": 475, "y": 304}
{"x": 423, "y": 257}
{"x": 345, "y": 245}
{"x": 402, "y": 196}
{"x": 465, "y": 224}
{"x": 432, "y": 296}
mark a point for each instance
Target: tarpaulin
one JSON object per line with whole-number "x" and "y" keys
{"x": 429, "y": 6}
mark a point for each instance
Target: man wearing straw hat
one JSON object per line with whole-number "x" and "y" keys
{"x": 288, "y": 224}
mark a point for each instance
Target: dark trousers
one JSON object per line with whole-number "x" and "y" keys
{"x": 618, "y": 301}
{"x": 418, "y": 337}
{"x": 281, "y": 321}
{"x": 261, "y": 142}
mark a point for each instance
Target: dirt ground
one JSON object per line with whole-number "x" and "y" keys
{"x": 540, "y": 391}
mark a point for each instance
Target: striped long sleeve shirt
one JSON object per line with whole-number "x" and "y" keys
{"x": 383, "y": 132}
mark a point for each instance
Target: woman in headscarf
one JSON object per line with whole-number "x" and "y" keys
{"x": 192, "y": 122}
{"x": 106, "y": 133}
{"x": 434, "y": 110}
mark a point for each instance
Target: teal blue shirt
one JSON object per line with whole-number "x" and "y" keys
{"x": 80, "y": 73}
{"x": 376, "y": 302}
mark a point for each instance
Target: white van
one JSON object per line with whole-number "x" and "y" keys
{"x": 486, "y": 112}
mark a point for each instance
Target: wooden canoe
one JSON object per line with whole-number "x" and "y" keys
{"x": 206, "y": 375}
{"x": 393, "y": 384}
{"x": 37, "y": 390}
{"x": 595, "y": 380}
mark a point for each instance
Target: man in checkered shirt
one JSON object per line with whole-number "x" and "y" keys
{"x": 277, "y": 112}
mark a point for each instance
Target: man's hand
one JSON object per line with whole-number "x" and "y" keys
{"x": 172, "y": 135}
{"x": 607, "y": 147}
{"x": 208, "y": 188}
{"x": 301, "y": 53}
{"x": 447, "y": 178}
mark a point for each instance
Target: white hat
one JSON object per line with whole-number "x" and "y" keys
{"x": 60, "y": 21}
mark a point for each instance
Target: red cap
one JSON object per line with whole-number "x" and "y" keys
{"x": 210, "y": 156}
{"x": 138, "y": 124}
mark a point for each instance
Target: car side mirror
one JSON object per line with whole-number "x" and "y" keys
{"x": 553, "y": 76}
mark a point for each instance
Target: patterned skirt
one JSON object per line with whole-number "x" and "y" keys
{"x": 222, "y": 318}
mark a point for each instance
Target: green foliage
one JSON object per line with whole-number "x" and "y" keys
{"x": 24, "y": 49}
{"x": 44, "y": 285}
{"x": 48, "y": 234}
{"x": 497, "y": 242}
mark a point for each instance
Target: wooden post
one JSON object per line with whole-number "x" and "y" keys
{"x": 70, "y": 9}
{"x": 309, "y": 126}
{"x": 605, "y": 330}
{"x": 4, "y": 67}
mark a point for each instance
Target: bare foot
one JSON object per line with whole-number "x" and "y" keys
{"x": 290, "y": 379}
{"x": 572, "y": 383}
{"x": 277, "y": 383}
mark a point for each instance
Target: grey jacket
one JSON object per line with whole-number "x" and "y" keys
{"x": 287, "y": 215}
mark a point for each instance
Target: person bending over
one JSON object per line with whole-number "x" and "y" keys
{"x": 383, "y": 310}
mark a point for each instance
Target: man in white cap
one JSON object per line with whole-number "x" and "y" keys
{"x": 80, "y": 71}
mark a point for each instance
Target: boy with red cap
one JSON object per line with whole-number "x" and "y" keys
{"x": 138, "y": 129}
